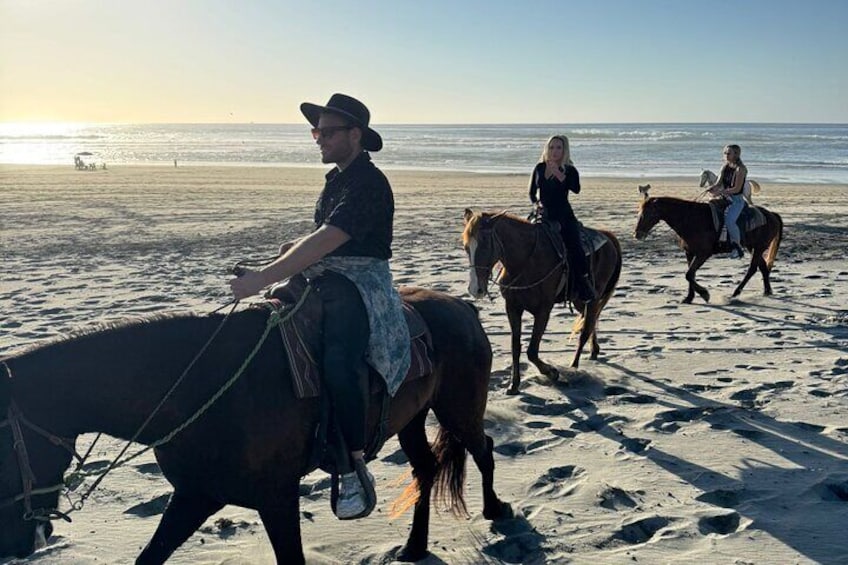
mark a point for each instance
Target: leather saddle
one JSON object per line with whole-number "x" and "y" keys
{"x": 302, "y": 338}
{"x": 750, "y": 218}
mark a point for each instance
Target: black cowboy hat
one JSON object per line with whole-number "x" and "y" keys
{"x": 352, "y": 110}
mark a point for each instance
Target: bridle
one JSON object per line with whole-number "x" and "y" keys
{"x": 15, "y": 420}
{"x": 501, "y": 250}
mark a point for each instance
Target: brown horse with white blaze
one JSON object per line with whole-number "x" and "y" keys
{"x": 533, "y": 272}
{"x": 693, "y": 223}
{"x": 245, "y": 442}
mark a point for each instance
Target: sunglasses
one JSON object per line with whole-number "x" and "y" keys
{"x": 328, "y": 131}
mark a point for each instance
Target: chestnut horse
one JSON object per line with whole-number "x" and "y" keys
{"x": 246, "y": 444}
{"x": 532, "y": 273}
{"x": 693, "y": 223}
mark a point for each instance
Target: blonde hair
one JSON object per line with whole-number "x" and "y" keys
{"x": 738, "y": 151}
{"x": 566, "y": 152}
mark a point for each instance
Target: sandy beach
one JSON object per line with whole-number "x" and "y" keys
{"x": 705, "y": 433}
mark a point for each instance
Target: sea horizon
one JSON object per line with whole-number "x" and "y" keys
{"x": 787, "y": 152}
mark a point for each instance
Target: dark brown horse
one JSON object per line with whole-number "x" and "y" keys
{"x": 693, "y": 223}
{"x": 532, "y": 273}
{"x": 251, "y": 447}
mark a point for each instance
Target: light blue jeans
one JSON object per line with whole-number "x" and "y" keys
{"x": 731, "y": 214}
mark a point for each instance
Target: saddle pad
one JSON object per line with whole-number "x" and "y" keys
{"x": 301, "y": 337}
{"x": 591, "y": 239}
{"x": 752, "y": 216}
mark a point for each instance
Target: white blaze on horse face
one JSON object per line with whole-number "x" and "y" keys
{"x": 473, "y": 284}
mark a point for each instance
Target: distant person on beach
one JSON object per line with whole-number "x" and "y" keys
{"x": 175, "y": 163}
{"x": 552, "y": 179}
{"x": 345, "y": 258}
{"x": 729, "y": 185}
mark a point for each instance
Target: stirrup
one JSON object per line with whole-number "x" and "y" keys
{"x": 366, "y": 491}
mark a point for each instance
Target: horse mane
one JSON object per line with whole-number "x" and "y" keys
{"x": 113, "y": 325}
{"x": 472, "y": 226}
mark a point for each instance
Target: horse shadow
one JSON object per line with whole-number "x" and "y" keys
{"x": 813, "y": 321}
{"x": 742, "y": 501}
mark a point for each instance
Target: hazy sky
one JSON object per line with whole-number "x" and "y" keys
{"x": 425, "y": 61}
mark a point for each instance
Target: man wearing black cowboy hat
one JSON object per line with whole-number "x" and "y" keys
{"x": 346, "y": 260}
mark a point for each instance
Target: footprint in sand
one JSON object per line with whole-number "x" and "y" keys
{"x": 637, "y": 532}
{"x": 635, "y": 444}
{"x": 614, "y": 498}
{"x": 719, "y": 524}
{"x": 667, "y": 421}
{"x": 832, "y": 489}
{"x": 558, "y": 482}
{"x": 597, "y": 422}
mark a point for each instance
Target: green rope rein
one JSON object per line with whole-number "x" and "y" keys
{"x": 275, "y": 319}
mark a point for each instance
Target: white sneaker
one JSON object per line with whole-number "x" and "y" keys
{"x": 737, "y": 252}
{"x": 352, "y": 502}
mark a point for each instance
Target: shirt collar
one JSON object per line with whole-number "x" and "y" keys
{"x": 355, "y": 165}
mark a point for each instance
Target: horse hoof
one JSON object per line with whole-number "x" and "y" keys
{"x": 410, "y": 556}
{"x": 552, "y": 374}
{"x": 502, "y": 512}
{"x": 512, "y": 391}
{"x": 687, "y": 300}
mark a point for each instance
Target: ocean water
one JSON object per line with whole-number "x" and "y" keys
{"x": 808, "y": 153}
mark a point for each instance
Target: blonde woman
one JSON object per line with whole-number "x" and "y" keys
{"x": 552, "y": 179}
{"x": 730, "y": 183}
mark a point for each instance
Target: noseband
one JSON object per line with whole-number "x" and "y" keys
{"x": 14, "y": 419}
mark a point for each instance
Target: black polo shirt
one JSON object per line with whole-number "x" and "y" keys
{"x": 358, "y": 201}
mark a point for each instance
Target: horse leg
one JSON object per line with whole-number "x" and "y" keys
{"x": 756, "y": 260}
{"x": 590, "y": 318}
{"x": 184, "y": 514}
{"x": 766, "y": 272}
{"x": 514, "y": 315}
{"x": 281, "y": 519}
{"x": 694, "y": 287}
{"x": 493, "y": 507}
{"x": 540, "y": 323}
{"x": 413, "y": 441}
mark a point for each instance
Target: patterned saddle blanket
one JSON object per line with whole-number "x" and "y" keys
{"x": 302, "y": 339}
{"x": 751, "y": 218}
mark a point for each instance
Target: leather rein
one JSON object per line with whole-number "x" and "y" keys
{"x": 15, "y": 420}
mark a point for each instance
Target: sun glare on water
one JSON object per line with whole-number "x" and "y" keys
{"x": 40, "y": 142}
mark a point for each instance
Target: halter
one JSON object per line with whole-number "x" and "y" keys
{"x": 14, "y": 420}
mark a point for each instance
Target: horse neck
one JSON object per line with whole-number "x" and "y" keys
{"x": 112, "y": 380}
{"x": 521, "y": 243}
{"x": 685, "y": 217}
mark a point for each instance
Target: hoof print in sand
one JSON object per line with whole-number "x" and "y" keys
{"x": 722, "y": 497}
{"x": 637, "y": 532}
{"x": 635, "y": 444}
{"x": 721, "y": 524}
{"x": 615, "y": 498}
{"x": 558, "y": 481}
{"x": 831, "y": 490}
{"x": 521, "y": 543}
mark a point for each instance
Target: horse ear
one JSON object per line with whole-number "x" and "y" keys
{"x": 467, "y": 214}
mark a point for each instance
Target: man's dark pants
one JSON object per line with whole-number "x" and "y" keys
{"x": 345, "y": 326}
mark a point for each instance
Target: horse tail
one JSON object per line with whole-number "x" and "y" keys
{"x": 771, "y": 252}
{"x": 606, "y": 294}
{"x": 449, "y": 484}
